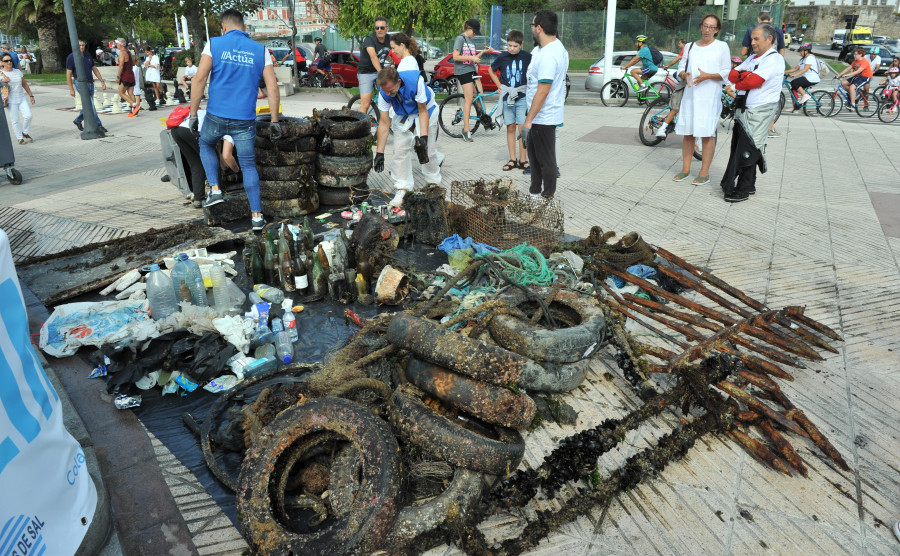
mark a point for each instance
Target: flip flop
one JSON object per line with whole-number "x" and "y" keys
{"x": 681, "y": 176}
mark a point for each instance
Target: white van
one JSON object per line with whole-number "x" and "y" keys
{"x": 838, "y": 39}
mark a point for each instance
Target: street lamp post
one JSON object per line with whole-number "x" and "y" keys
{"x": 91, "y": 130}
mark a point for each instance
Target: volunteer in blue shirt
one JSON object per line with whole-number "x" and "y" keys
{"x": 648, "y": 69}
{"x": 408, "y": 108}
{"x": 233, "y": 63}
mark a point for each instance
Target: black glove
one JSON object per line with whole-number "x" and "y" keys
{"x": 195, "y": 126}
{"x": 274, "y": 131}
{"x": 523, "y": 135}
{"x": 379, "y": 162}
{"x": 421, "y": 148}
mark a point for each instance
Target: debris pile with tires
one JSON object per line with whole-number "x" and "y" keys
{"x": 287, "y": 166}
{"x": 345, "y": 157}
{"x": 414, "y": 433}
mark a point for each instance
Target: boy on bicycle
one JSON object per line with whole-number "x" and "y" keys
{"x": 648, "y": 69}
{"x": 512, "y": 67}
{"x": 858, "y": 75}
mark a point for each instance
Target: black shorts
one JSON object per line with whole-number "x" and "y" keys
{"x": 464, "y": 78}
{"x": 647, "y": 73}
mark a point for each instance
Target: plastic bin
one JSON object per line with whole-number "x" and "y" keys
{"x": 7, "y": 156}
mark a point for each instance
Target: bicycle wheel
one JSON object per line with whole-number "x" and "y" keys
{"x": 614, "y": 93}
{"x": 372, "y": 112}
{"x": 652, "y": 119}
{"x": 337, "y": 82}
{"x": 663, "y": 90}
{"x": 698, "y": 148}
{"x": 866, "y": 105}
{"x": 888, "y": 112}
{"x": 837, "y": 104}
{"x": 451, "y": 116}
{"x": 816, "y": 106}
{"x": 879, "y": 92}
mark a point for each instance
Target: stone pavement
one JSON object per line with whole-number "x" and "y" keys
{"x": 823, "y": 231}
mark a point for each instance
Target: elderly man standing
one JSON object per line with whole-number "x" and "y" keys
{"x": 233, "y": 63}
{"x": 758, "y": 84}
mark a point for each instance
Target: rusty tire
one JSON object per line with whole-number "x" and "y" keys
{"x": 564, "y": 345}
{"x": 290, "y": 127}
{"x": 334, "y": 197}
{"x": 266, "y": 157}
{"x": 370, "y": 518}
{"x": 298, "y": 144}
{"x": 359, "y": 146}
{"x": 337, "y": 182}
{"x": 492, "y": 404}
{"x": 289, "y": 208}
{"x": 298, "y": 172}
{"x": 345, "y": 124}
{"x": 412, "y": 520}
{"x": 554, "y": 378}
{"x": 344, "y": 165}
{"x": 452, "y": 442}
{"x": 294, "y": 455}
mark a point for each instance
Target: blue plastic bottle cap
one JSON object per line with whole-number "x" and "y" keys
{"x": 181, "y": 257}
{"x": 286, "y": 359}
{"x": 154, "y": 267}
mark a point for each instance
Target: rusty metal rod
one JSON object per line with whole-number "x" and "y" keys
{"x": 814, "y": 433}
{"x": 805, "y": 334}
{"x": 759, "y": 450}
{"x": 795, "y": 313}
{"x": 784, "y": 448}
{"x": 655, "y": 351}
{"x": 697, "y": 286}
{"x": 711, "y": 343}
{"x": 755, "y": 404}
{"x": 616, "y": 303}
{"x": 762, "y": 382}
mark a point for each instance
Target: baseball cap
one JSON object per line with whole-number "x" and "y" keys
{"x": 475, "y": 25}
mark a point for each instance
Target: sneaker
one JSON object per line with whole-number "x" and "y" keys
{"x": 78, "y": 125}
{"x": 197, "y": 204}
{"x": 896, "y": 529}
{"x": 773, "y": 134}
{"x": 661, "y": 132}
{"x": 103, "y": 129}
{"x": 536, "y": 196}
{"x": 397, "y": 201}
{"x": 557, "y": 172}
{"x": 734, "y": 198}
{"x": 851, "y": 107}
{"x": 467, "y": 136}
{"x": 804, "y": 99}
{"x": 643, "y": 88}
{"x": 257, "y": 223}
{"x": 752, "y": 190}
{"x": 135, "y": 109}
{"x": 214, "y": 198}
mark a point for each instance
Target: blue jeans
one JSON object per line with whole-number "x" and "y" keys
{"x": 80, "y": 118}
{"x": 244, "y": 134}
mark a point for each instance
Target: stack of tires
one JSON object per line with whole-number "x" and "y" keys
{"x": 345, "y": 158}
{"x": 287, "y": 167}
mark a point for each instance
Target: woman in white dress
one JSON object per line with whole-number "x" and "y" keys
{"x": 704, "y": 67}
{"x": 20, "y": 95}
{"x": 152, "y": 75}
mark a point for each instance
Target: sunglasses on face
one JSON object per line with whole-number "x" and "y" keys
{"x": 7, "y": 61}
{"x": 380, "y": 27}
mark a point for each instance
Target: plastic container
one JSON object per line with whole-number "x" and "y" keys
{"x": 255, "y": 298}
{"x": 236, "y": 296}
{"x": 194, "y": 280}
{"x": 284, "y": 347}
{"x": 161, "y": 294}
{"x": 264, "y": 350}
{"x": 270, "y": 294}
{"x": 219, "y": 287}
{"x": 261, "y": 365}
{"x": 277, "y": 325}
{"x": 290, "y": 325}
{"x": 179, "y": 271}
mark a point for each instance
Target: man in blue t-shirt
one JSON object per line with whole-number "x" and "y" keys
{"x": 233, "y": 63}
{"x": 648, "y": 69}
{"x": 512, "y": 67}
{"x": 90, "y": 71}
{"x": 763, "y": 17}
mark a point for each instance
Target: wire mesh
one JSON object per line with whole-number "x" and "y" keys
{"x": 495, "y": 213}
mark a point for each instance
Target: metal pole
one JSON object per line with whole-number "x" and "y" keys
{"x": 177, "y": 32}
{"x": 610, "y": 39}
{"x": 206, "y": 23}
{"x": 185, "y": 34}
{"x": 91, "y": 131}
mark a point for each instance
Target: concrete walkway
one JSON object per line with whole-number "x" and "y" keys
{"x": 822, "y": 231}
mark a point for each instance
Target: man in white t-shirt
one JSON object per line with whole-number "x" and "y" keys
{"x": 545, "y": 95}
{"x": 875, "y": 63}
{"x": 758, "y": 83}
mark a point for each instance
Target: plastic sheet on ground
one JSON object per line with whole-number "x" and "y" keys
{"x": 74, "y": 325}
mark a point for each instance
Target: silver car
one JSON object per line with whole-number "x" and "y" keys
{"x": 595, "y": 78}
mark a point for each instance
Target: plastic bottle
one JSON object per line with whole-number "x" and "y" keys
{"x": 161, "y": 294}
{"x": 236, "y": 296}
{"x": 219, "y": 287}
{"x": 273, "y": 295}
{"x": 265, "y": 350}
{"x": 178, "y": 273}
{"x": 258, "y": 366}
{"x": 255, "y": 298}
{"x": 290, "y": 325}
{"x": 277, "y": 325}
{"x": 194, "y": 280}
{"x": 284, "y": 347}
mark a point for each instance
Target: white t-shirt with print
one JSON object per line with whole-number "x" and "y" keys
{"x": 894, "y": 82}
{"x": 549, "y": 63}
{"x": 875, "y": 63}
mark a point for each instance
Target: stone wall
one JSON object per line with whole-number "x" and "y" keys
{"x": 823, "y": 20}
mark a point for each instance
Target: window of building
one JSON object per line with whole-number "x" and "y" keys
{"x": 855, "y": 2}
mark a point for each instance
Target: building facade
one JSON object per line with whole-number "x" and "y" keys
{"x": 273, "y": 20}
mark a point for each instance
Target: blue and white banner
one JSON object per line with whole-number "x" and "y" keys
{"x": 496, "y": 26}
{"x": 47, "y": 497}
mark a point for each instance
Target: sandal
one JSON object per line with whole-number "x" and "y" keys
{"x": 511, "y": 165}
{"x": 701, "y": 180}
{"x": 22, "y": 141}
{"x": 28, "y": 137}
{"x": 681, "y": 176}
{"x": 525, "y": 165}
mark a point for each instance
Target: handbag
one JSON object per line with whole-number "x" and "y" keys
{"x": 687, "y": 59}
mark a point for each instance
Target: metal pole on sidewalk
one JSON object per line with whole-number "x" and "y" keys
{"x": 91, "y": 131}
{"x": 610, "y": 39}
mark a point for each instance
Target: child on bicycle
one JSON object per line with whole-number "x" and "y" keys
{"x": 512, "y": 67}
{"x": 859, "y": 73}
{"x": 892, "y": 90}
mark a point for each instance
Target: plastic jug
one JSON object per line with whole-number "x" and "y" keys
{"x": 194, "y": 280}
{"x": 219, "y": 287}
{"x": 160, "y": 293}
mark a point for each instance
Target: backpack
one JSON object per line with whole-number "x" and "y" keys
{"x": 823, "y": 68}
{"x": 655, "y": 55}
{"x": 177, "y": 116}
{"x": 327, "y": 58}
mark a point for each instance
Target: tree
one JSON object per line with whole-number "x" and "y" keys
{"x": 439, "y": 17}
{"x": 45, "y": 15}
{"x": 667, "y": 13}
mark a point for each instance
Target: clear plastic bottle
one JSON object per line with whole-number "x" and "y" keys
{"x": 277, "y": 325}
{"x": 194, "y": 280}
{"x": 290, "y": 325}
{"x": 161, "y": 294}
{"x": 284, "y": 347}
{"x": 179, "y": 271}
{"x": 258, "y": 366}
{"x": 219, "y": 287}
{"x": 273, "y": 295}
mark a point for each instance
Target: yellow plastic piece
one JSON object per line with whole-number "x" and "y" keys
{"x": 266, "y": 110}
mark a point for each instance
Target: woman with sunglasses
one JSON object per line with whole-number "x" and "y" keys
{"x": 17, "y": 101}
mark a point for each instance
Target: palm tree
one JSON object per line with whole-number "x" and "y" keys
{"x": 44, "y": 15}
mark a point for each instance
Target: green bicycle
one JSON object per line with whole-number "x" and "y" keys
{"x": 616, "y": 91}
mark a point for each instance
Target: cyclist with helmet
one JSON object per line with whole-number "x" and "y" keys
{"x": 874, "y": 62}
{"x": 892, "y": 90}
{"x": 804, "y": 75}
{"x": 648, "y": 69}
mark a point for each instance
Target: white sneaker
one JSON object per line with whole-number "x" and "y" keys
{"x": 397, "y": 201}
{"x": 804, "y": 98}
{"x": 661, "y": 132}
{"x": 897, "y": 530}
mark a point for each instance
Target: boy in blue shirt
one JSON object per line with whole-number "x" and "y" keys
{"x": 512, "y": 66}
{"x": 648, "y": 69}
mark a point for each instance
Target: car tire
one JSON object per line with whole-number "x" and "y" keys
{"x": 290, "y": 127}
{"x": 344, "y": 165}
{"x": 554, "y": 378}
{"x": 371, "y": 515}
{"x": 265, "y": 157}
{"x": 360, "y": 146}
{"x": 341, "y": 182}
{"x": 275, "y": 190}
{"x": 299, "y": 144}
{"x": 291, "y": 208}
{"x": 345, "y": 124}
{"x": 342, "y": 197}
{"x": 300, "y": 172}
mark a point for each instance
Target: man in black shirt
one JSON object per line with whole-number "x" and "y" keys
{"x": 320, "y": 49}
{"x": 375, "y": 49}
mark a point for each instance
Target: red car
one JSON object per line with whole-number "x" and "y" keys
{"x": 345, "y": 64}
{"x": 444, "y": 69}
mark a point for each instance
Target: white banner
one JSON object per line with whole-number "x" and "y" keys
{"x": 47, "y": 497}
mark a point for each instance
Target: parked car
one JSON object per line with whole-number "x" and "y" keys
{"x": 444, "y": 70}
{"x": 595, "y": 78}
{"x": 879, "y": 39}
{"x": 346, "y": 64}
{"x": 838, "y": 38}
{"x": 429, "y": 51}
{"x": 892, "y": 42}
{"x": 846, "y": 54}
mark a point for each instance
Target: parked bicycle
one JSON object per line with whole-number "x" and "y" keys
{"x": 821, "y": 102}
{"x": 616, "y": 91}
{"x": 866, "y": 105}
{"x": 451, "y": 114}
{"x": 322, "y": 81}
